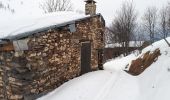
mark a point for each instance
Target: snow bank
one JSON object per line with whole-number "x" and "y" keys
{"x": 155, "y": 80}
{"x": 15, "y": 26}
{"x": 100, "y": 85}
{"x": 162, "y": 45}
{"x": 81, "y": 88}
{"x": 124, "y": 62}
{"x": 119, "y": 64}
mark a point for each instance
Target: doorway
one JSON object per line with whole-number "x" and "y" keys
{"x": 85, "y": 57}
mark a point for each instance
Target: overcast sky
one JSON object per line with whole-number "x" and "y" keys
{"x": 108, "y": 8}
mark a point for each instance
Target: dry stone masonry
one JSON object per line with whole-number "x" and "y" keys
{"x": 140, "y": 64}
{"x": 47, "y": 60}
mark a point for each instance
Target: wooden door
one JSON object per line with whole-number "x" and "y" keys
{"x": 85, "y": 57}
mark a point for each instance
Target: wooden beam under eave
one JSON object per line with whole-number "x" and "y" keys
{"x": 7, "y": 47}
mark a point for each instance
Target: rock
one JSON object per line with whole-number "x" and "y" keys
{"x": 57, "y": 59}
{"x": 44, "y": 54}
{"x": 51, "y": 47}
{"x": 46, "y": 49}
{"x": 1, "y": 57}
{"x": 45, "y": 37}
{"x": 49, "y": 41}
{"x": 16, "y": 97}
{"x": 15, "y": 65}
{"x": 56, "y": 44}
{"x": 61, "y": 35}
{"x": 33, "y": 55}
{"x": 38, "y": 54}
{"x": 11, "y": 79}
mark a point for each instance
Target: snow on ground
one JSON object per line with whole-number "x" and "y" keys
{"x": 81, "y": 88}
{"x": 154, "y": 82}
{"x": 115, "y": 84}
{"x": 95, "y": 86}
{"x": 15, "y": 26}
{"x": 119, "y": 63}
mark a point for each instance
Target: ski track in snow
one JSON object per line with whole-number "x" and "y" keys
{"x": 108, "y": 86}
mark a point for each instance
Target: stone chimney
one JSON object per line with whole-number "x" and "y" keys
{"x": 90, "y": 7}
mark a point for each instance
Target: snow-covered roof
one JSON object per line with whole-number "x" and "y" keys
{"x": 20, "y": 27}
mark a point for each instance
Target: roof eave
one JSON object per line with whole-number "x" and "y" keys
{"x": 29, "y": 33}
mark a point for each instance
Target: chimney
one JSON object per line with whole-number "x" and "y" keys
{"x": 90, "y": 7}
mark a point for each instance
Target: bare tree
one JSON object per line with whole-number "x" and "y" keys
{"x": 124, "y": 25}
{"x": 164, "y": 22}
{"x": 1, "y": 5}
{"x": 168, "y": 7}
{"x": 56, "y": 5}
{"x": 140, "y": 33}
{"x": 6, "y": 7}
{"x": 150, "y": 21}
{"x": 108, "y": 36}
{"x": 168, "y": 14}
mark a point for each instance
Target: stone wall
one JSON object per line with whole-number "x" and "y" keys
{"x": 52, "y": 59}
{"x": 139, "y": 65}
{"x": 90, "y": 9}
{"x": 110, "y": 53}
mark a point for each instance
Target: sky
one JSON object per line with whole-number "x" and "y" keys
{"x": 108, "y": 8}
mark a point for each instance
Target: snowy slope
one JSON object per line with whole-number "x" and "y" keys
{"x": 121, "y": 64}
{"x": 115, "y": 84}
{"x": 154, "y": 82}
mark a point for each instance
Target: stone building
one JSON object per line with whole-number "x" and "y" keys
{"x": 42, "y": 56}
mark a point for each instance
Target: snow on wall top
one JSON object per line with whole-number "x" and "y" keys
{"x": 16, "y": 26}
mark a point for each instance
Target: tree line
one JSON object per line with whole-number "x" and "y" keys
{"x": 6, "y": 7}
{"x": 155, "y": 23}
{"x": 47, "y": 6}
{"x": 56, "y": 5}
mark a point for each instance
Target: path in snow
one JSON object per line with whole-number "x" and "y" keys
{"x": 108, "y": 85}
{"x": 100, "y": 85}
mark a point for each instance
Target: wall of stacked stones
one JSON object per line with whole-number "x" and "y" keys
{"x": 52, "y": 59}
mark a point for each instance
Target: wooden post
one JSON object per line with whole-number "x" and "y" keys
{"x": 7, "y": 47}
{"x": 167, "y": 42}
